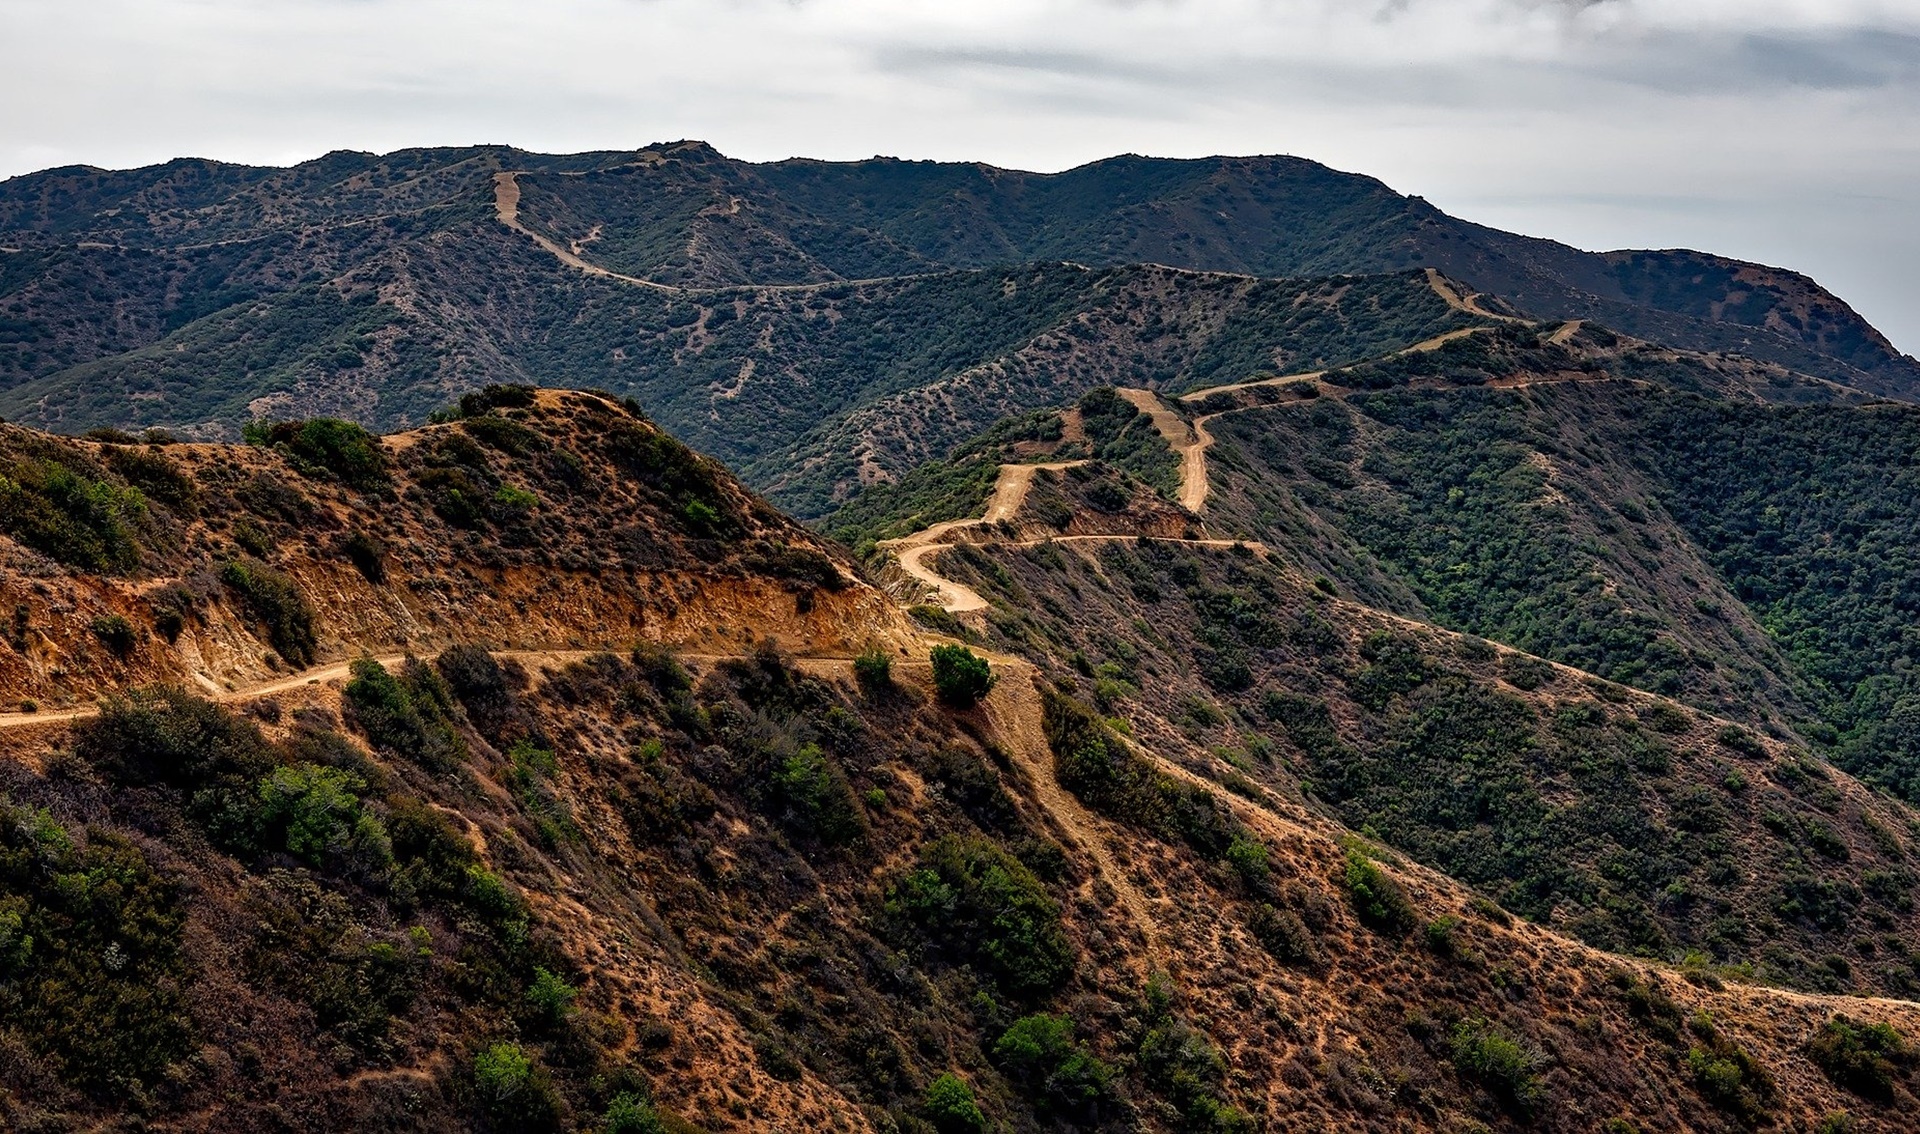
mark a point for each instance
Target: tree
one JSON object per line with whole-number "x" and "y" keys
{"x": 960, "y": 676}
{"x": 950, "y": 1107}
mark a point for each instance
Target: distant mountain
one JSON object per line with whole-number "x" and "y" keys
{"x": 764, "y": 311}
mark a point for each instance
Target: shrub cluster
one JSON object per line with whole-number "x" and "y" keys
{"x": 277, "y": 604}
{"x": 1864, "y": 1058}
{"x": 1108, "y": 776}
{"x": 325, "y": 447}
{"x": 960, "y": 676}
{"x": 975, "y": 903}
{"x": 77, "y": 519}
{"x": 1059, "y": 1075}
{"x": 411, "y": 716}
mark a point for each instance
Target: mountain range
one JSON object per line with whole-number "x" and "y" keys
{"x": 785, "y": 317}
{"x": 650, "y": 642}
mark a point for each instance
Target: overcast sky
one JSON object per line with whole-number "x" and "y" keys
{"x": 1777, "y": 130}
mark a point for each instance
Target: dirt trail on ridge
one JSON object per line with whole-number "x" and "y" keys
{"x": 1014, "y": 711}
{"x": 318, "y": 675}
{"x": 1468, "y": 302}
{"x": 1189, "y": 442}
{"x": 506, "y": 208}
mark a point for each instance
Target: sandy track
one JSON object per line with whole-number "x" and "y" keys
{"x": 318, "y": 675}
{"x": 1014, "y": 711}
{"x": 1467, "y": 302}
{"x": 956, "y": 597}
{"x": 1009, "y": 496}
{"x": 506, "y": 207}
{"x": 1189, "y": 441}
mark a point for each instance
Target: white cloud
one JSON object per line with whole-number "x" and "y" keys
{"x": 1755, "y": 127}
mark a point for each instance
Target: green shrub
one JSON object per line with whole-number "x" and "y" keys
{"x": 157, "y": 476}
{"x": 1396, "y": 667}
{"x": 1505, "y": 1066}
{"x": 1651, "y": 1006}
{"x": 511, "y": 503}
{"x": 170, "y": 737}
{"x": 435, "y": 860}
{"x": 488, "y": 895}
{"x": 92, "y": 968}
{"x": 974, "y": 902}
{"x": 960, "y": 676}
{"x": 455, "y": 496}
{"x": 815, "y": 800}
{"x": 1864, "y": 1058}
{"x": 1058, "y": 1074}
{"x": 1528, "y": 673}
{"x": 115, "y": 633}
{"x": 324, "y": 447}
{"x": 409, "y": 716}
{"x": 1662, "y": 717}
{"x": 950, "y": 1106}
{"x": 314, "y": 813}
{"x": 1727, "y": 1075}
{"x": 278, "y": 605}
{"x": 873, "y": 669}
{"x": 1281, "y": 933}
{"x": 509, "y": 437}
{"x": 630, "y": 1113}
{"x": 550, "y": 997}
{"x": 80, "y": 521}
{"x": 512, "y": 1090}
{"x": 1441, "y": 935}
{"x": 1377, "y": 898}
{"x": 1249, "y": 860}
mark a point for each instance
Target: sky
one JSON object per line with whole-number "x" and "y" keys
{"x": 1783, "y": 131}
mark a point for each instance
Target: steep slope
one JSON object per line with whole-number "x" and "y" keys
{"x": 1616, "y": 817}
{"x": 1748, "y": 558}
{"x": 530, "y": 519}
{"x": 811, "y": 392}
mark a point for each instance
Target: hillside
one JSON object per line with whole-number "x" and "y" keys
{"x": 553, "y": 873}
{"x": 136, "y": 561}
{"x": 812, "y": 393}
{"x": 905, "y": 305}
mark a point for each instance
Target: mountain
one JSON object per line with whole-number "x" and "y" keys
{"x": 820, "y": 326}
{"x": 525, "y": 772}
{"x": 1263, "y": 655}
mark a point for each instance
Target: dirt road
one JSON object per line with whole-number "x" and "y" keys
{"x": 1189, "y": 442}
{"x": 1009, "y": 496}
{"x": 506, "y": 208}
{"x": 318, "y": 675}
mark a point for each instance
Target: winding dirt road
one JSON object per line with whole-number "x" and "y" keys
{"x": 1009, "y": 495}
{"x": 506, "y": 208}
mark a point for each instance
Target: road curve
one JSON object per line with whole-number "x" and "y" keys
{"x": 1009, "y": 496}
{"x": 1189, "y": 443}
